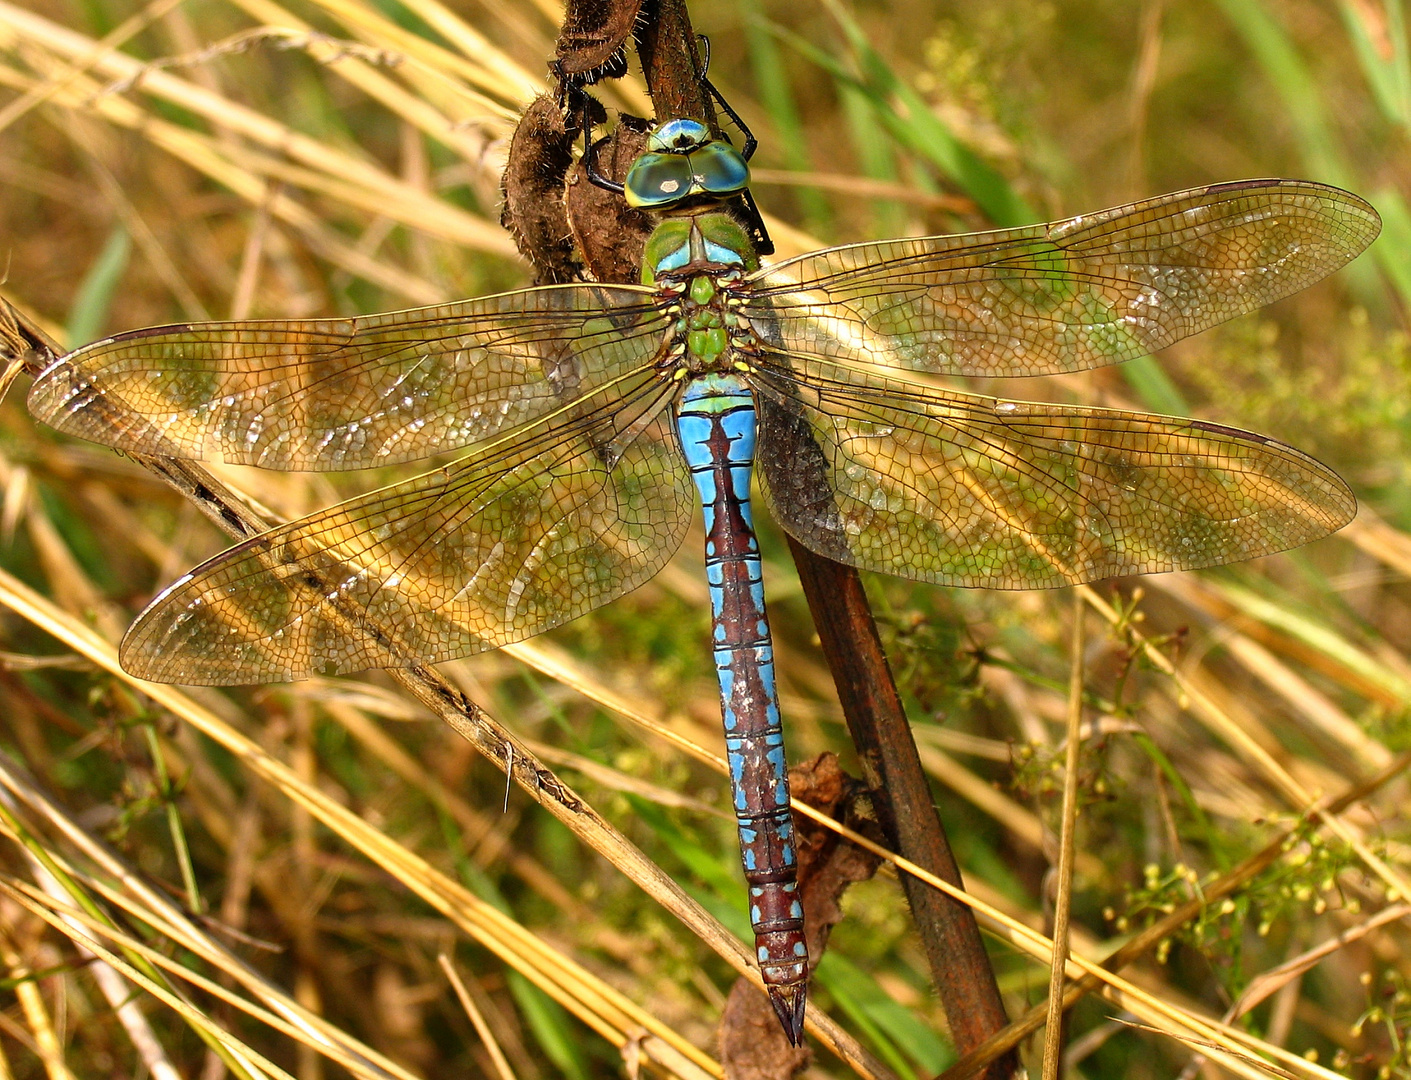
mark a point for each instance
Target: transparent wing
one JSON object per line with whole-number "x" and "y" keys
{"x": 1082, "y": 293}
{"x": 529, "y": 533}
{"x": 349, "y": 393}
{"x": 958, "y": 489}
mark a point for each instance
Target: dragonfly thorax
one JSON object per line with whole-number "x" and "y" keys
{"x": 709, "y": 242}
{"x": 696, "y": 261}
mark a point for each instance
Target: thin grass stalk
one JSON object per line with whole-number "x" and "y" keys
{"x": 76, "y": 924}
{"x": 408, "y": 203}
{"x": 1294, "y": 793}
{"x": 110, "y": 43}
{"x": 1053, "y": 1033}
{"x": 208, "y": 156}
{"x": 46, "y": 863}
{"x": 557, "y": 975}
{"x": 1164, "y": 1017}
{"x": 438, "y": 103}
{"x": 43, "y": 1038}
{"x": 479, "y": 64}
{"x": 477, "y": 1018}
{"x": 1147, "y": 939}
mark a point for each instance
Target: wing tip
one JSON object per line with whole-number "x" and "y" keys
{"x": 1350, "y": 207}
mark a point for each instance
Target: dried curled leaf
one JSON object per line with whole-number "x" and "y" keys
{"x": 541, "y": 153}
{"x": 593, "y": 42}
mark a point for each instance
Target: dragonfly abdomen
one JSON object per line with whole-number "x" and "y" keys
{"x": 717, "y": 425}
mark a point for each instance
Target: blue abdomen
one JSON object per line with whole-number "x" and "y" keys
{"x": 717, "y": 426}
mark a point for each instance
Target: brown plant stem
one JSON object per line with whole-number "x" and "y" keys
{"x": 670, "y": 60}
{"x": 960, "y": 967}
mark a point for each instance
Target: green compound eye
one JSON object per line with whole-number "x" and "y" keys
{"x": 656, "y": 181}
{"x": 719, "y": 169}
{"x": 682, "y": 161}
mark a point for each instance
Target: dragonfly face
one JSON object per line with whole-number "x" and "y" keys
{"x": 599, "y": 418}
{"x": 684, "y": 161}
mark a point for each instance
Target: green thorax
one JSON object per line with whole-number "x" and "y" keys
{"x": 695, "y": 257}
{"x": 711, "y": 242}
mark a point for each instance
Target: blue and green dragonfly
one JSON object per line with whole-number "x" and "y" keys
{"x": 592, "y": 411}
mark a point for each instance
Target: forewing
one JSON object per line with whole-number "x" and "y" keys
{"x": 958, "y": 489}
{"x": 328, "y": 394}
{"x": 531, "y": 532}
{"x": 1082, "y": 293}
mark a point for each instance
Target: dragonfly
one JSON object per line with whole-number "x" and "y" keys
{"x": 601, "y": 418}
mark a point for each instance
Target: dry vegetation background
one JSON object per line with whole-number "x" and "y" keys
{"x": 186, "y": 159}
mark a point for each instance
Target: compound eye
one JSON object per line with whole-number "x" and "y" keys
{"x": 678, "y": 137}
{"x": 720, "y": 169}
{"x": 657, "y": 181}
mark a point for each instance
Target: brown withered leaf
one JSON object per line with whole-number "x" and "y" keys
{"x": 752, "y": 1045}
{"x": 609, "y": 233}
{"x": 593, "y": 42}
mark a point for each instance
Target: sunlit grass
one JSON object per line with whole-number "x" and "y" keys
{"x": 311, "y": 851}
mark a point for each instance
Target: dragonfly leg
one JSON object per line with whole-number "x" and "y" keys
{"x": 591, "y": 148}
{"x": 751, "y": 143}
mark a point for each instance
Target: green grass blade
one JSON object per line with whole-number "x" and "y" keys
{"x": 1323, "y": 155}
{"x": 550, "y": 1025}
{"x": 1388, "y": 75}
{"x": 1151, "y": 384}
{"x": 918, "y": 129}
{"x": 875, "y": 154}
{"x": 1284, "y": 67}
{"x": 777, "y": 97}
{"x": 89, "y": 313}
{"x": 900, "y": 1039}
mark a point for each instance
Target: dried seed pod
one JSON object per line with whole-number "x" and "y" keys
{"x": 541, "y": 154}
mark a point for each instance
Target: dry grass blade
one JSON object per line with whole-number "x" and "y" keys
{"x": 438, "y": 103}
{"x": 1270, "y": 981}
{"x": 89, "y": 934}
{"x": 123, "y": 889}
{"x": 109, "y": 44}
{"x": 603, "y": 1009}
{"x": 1160, "y": 1014}
{"x": 492, "y": 1047}
{"x": 1294, "y": 792}
{"x": 340, "y": 175}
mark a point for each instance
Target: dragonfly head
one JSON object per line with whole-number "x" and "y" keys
{"x": 684, "y": 161}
